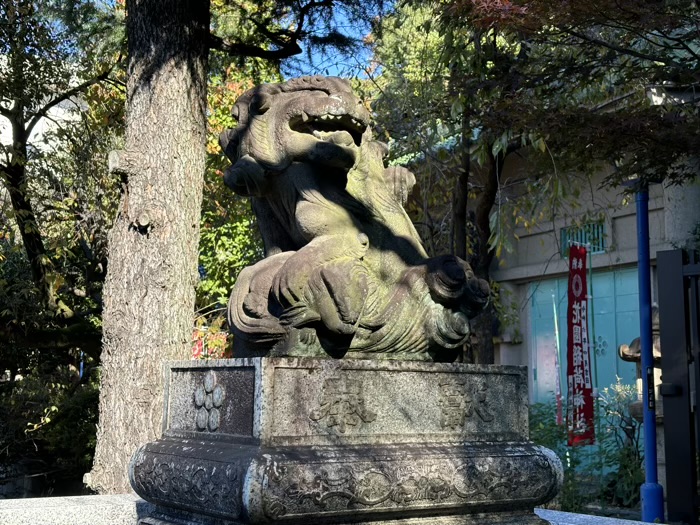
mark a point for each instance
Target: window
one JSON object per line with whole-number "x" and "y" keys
{"x": 592, "y": 235}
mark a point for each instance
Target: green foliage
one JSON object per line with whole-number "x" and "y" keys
{"x": 17, "y": 293}
{"x": 229, "y": 242}
{"x": 578, "y": 488}
{"x": 609, "y": 473}
{"x": 63, "y": 129}
{"x": 209, "y": 339}
{"x": 74, "y": 201}
{"x": 229, "y": 238}
{"x": 49, "y": 417}
{"x": 601, "y": 80}
{"x": 620, "y": 444}
{"x": 49, "y": 47}
{"x": 507, "y": 310}
{"x": 54, "y": 178}
{"x": 447, "y": 100}
{"x": 308, "y": 36}
{"x": 408, "y": 90}
{"x": 573, "y": 90}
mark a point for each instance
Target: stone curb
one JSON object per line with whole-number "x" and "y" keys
{"x": 124, "y": 509}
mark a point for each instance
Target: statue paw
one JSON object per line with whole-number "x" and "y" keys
{"x": 451, "y": 329}
{"x": 452, "y": 283}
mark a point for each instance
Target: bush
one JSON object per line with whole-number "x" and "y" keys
{"x": 49, "y": 424}
{"x": 608, "y": 473}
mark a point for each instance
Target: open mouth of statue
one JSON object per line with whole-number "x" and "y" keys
{"x": 343, "y": 130}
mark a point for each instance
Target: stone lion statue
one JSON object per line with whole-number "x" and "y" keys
{"x": 344, "y": 272}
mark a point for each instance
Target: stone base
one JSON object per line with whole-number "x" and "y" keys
{"x": 250, "y": 484}
{"x": 292, "y": 441}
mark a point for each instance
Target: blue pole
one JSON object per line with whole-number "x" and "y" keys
{"x": 651, "y": 492}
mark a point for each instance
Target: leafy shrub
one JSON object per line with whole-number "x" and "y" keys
{"x": 49, "y": 422}
{"x": 608, "y": 473}
{"x": 620, "y": 443}
{"x": 210, "y": 339}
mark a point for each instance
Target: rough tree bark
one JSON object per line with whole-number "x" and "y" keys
{"x": 461, "y": 196}
{"x": 16, "y": 183}
{"x": 481, "y": 350}
{"x": 150, "y": 286}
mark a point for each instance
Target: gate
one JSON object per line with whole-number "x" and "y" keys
{"x": 679, "y": 316}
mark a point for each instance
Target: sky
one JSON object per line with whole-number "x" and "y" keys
{"x": 334, "y": 62}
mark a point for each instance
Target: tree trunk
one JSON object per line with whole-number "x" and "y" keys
{"x": 483, "y": 326}
{"x": 15, "y": 177}
{"x": 149, "y": 290}
{"x": 481, "y": 348}
{"x": 461, "y": 196}
{"x": 16, "y": 183}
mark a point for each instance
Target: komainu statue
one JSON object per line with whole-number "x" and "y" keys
{"x": 344, "y": 272}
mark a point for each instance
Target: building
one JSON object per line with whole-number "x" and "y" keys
{"x": 535, "y": 273}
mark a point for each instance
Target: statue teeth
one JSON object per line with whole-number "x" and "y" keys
{"x": 304, "y": 116}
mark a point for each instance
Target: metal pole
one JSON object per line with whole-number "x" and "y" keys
{"x": 651, "y": 492}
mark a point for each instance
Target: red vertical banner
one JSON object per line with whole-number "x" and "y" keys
{"x": 579, "y": 408}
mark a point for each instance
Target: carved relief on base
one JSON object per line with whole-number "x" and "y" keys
{"x": 342, "y": 404}
{"x": 349, "y": 487}
{"x": 187, "y": 482}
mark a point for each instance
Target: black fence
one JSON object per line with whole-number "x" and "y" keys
{"x": 679, "y": 316}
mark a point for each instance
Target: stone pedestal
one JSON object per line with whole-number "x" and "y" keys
{"x": 297, "y": 440}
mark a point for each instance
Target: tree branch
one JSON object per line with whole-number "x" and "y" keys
{"x": 65, "y": 96}
{"x": 682, "y": 43}
{"x": 623, "y": 50}
{"x": 304, "y": 11}
{"x": 287, "y": 47}
{"x": 15, "y": 182}
{"x": 248, "y": 50}
{"x": 280, "y": 37}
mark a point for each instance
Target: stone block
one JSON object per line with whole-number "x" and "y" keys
{"x": 302, "y": 401}
{"x": 301, "y": 440}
